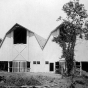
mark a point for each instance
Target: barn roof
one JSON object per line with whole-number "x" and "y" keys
{"x": 56, "y": 29}
{"x": 41, "y": 41}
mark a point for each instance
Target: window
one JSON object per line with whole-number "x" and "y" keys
{"x": 77, "y": 63}
{"x": 19, "y": 66}
{"x": 34, "y": 62}
{"x": 28, "y": 64}
{"x": 46, "y": 62}
{"x": 84, "y": 66}
{"x": 51, "y": 66}
{"x": 19, "y": 35}
{"x": 10, "y": 66}
{"x": 38, "y": 62}
{"x": 4, "y": 65}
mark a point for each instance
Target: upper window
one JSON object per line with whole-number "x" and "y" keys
{"x": 20, "y": 35}
{"x": 34, "y": 62}
{"x": 38, "y": 62}
{"x": 46, "y": 62}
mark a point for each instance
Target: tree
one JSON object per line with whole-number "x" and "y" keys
{"x": 73, "y": 26}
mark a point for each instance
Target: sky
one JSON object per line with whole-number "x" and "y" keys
{"x": 38, "y": 16}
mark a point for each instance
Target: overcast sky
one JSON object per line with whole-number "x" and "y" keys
{"x": 38, "y": 16}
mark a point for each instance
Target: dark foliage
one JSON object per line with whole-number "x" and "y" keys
{"x": 74, "y": 25}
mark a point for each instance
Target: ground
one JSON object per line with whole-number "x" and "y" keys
{"x": 44, "y": 80}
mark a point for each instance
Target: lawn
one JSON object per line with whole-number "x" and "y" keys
{"x": 45, "y": 80}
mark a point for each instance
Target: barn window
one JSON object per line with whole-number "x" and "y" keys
{"x": 10, "y": 66}
{"x": 3, "y": 65}
{"x": 78, "y": 64}
{"x": 38, "y": 62}
{"x": 34, "y": 62}
{"x": 46, "y": 62}
{"x": 20, "y": 35}
{"x": 28, "y": 64}
{"x": 19, "y": 66}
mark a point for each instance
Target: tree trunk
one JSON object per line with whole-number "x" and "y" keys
{"x": 69, "y": 57}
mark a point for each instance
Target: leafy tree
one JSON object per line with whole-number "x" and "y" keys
{"x": 74, "y": 25}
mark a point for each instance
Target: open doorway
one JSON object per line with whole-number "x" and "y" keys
{"x": 19, "y": 36}
{"x": 51, "y": 66}
{"x": 84, "y": 66}
{"x": 28, "y": 66}
{"x": 3, "y": 65}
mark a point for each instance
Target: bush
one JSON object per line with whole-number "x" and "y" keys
{"x": 32, "y": 81}
{"x": 20, "y": 81}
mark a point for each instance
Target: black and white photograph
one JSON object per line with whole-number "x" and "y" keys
{"x": 43, "y": 44}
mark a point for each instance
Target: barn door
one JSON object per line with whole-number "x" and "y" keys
{"x": 51, "y": 66}
{"x": 22, "y": 66}
{"x": 19, "y": 66}
{"x": 15, "y": 66}
{"x": 20, "y": 46}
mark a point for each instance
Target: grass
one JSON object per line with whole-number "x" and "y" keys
{"x": 18, "y": 79}
{"x": 42, "y": 79}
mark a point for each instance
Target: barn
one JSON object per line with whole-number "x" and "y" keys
{"x": 81, "y": 52}
{"x": 21, "y": 51}
{"x": 24, "y": 51}
{"x": 52, "y": 52}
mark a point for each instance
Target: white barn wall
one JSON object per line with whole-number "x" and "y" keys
{"x": 6, "y": 49}
{"x": 52, "y": 52}
{"x": 35, "y": 54}
{"x": 81, "y": 50}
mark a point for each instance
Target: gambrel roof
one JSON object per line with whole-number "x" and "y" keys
{"x": 41, "y": 41}
{"x": 54, "y": 32}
